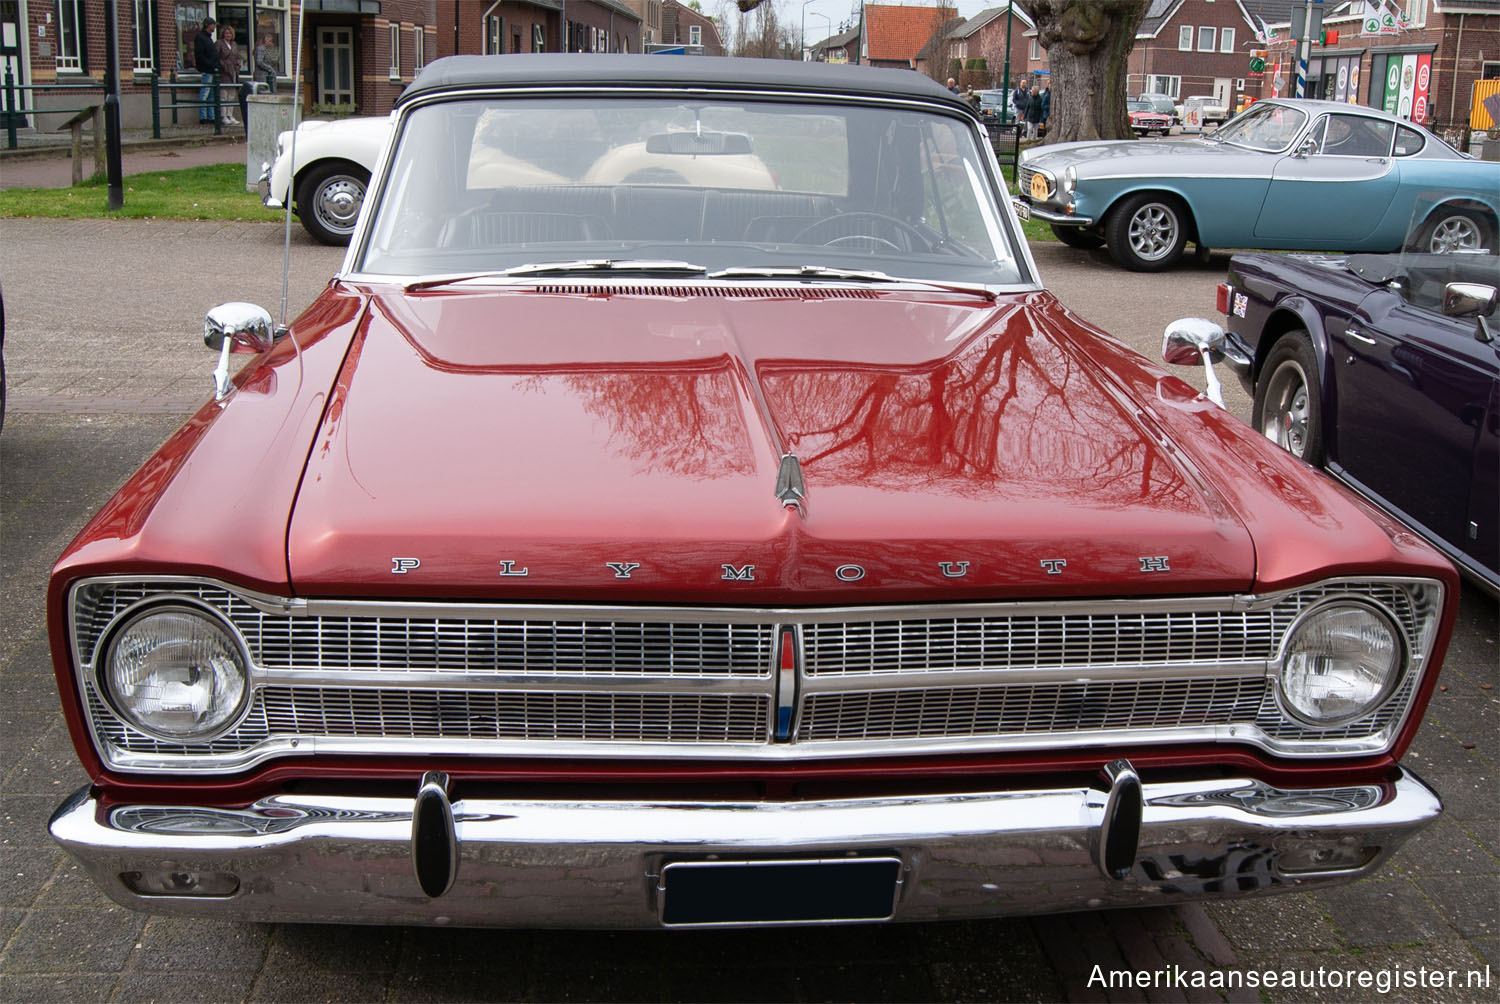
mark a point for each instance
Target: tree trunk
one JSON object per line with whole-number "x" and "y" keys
{"x": 1088, "y": 43}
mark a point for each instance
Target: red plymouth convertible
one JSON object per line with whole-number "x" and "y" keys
{"x": 687, "y": 507}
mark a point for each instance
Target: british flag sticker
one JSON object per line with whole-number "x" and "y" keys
{"x": 1241, "y": 302}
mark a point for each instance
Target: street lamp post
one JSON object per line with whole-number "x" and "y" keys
{"x": 824, "y": 17}
{"x": 804, "y": 29}
{"x": 1005, "y": 100}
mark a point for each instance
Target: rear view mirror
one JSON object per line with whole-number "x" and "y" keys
{"x": 698, "y": 144}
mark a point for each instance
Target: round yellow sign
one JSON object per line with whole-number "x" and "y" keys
{"x": 1038, "y": 186}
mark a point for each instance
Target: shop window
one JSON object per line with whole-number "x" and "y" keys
{"x": 1206, "y": 38}
{"x": 236, "y": 16}
{"x": 270, "y": 30}
{"x": 1185, "y": 38}
{"x": 394, "y": 31}
{"x": 145, "y": 36}
{"x": 1226, "y": 40}
{"x": 70, "y": 29}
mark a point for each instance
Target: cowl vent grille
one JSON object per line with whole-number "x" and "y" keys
{"x": 731, "y": 292}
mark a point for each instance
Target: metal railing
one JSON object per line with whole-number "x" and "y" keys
{"x": 18, "y": 107}
{"x": 172, "y": 104}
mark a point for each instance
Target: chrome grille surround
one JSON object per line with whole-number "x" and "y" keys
{"x": 396, "y": 678}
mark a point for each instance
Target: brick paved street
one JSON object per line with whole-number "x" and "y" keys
{"x": 105, "y": 359}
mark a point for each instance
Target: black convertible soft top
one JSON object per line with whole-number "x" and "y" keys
{"x": 590, "y": 70}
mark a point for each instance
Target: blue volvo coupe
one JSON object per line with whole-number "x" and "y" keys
{"x": 1309, "y": 175}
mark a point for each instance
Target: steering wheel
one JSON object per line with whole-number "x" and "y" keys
{"x": 814, "y": 233}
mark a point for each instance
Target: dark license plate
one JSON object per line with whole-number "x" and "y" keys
{"x": 779, "y": 892}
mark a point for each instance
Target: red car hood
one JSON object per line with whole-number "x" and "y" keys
{"x": 610, "y": 444}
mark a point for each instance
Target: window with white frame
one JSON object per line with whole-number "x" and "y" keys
{"x": 145, "y": 36}
{"x": 1036, "y": 49}
{"x": 1226, "y": 40}
{"x": 395, "y": 36}
{"x": 418, "y": 48}
{"x": 1158, "y": 83}
{"x": 695, "y": 35}
{"x": 270, "y": 29}
{"x": 1206, "y": 37}
{"x": 1416, "y": 12}
{"x": 70, "y": 28}
{"x": 1185, "y": 38}
{"x": 1490, "y": 71}
{"x": 494, "y": 31}
{"x": 538, "y": 38}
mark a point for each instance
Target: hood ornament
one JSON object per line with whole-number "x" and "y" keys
{"x": 791, "y": 490}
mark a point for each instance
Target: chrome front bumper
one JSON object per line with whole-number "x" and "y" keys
{"x": 263, "y": 187}
{"x": 603, "y": 864}
{"x": 1062, "y": 219}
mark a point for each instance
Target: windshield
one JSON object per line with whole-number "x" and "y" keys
{"x": 495, "y": 184}
{"x": 1262, "y": 126}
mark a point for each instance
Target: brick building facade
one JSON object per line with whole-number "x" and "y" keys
{"x": 683, "y": 26}
{"x": 357, "y": 55}
{"x": 982, "y": 37}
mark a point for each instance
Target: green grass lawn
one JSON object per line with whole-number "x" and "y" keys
{"x": 212, "y": 192}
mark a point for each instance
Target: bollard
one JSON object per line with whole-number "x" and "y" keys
{"x": 155, "y": 105}
{"x": 172, "y": 92}
{"x": 218, "y": 108}
{"x": 10, "y": 109}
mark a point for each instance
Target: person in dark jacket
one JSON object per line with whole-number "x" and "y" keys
{"x": 206, "y": 61}
{"x": 1033, "y": 114}
{"x": 1046, "y": 107}
{"x": 1019, "y": 101}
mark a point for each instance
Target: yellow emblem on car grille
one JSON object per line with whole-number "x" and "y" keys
{"x": 1038, "y": 186}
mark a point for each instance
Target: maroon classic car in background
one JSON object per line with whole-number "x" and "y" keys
{"x": 745, "y": 539}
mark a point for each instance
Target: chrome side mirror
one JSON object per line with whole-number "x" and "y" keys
{"x": 1467, "y": 299}
{"x": 1189, "y": 340}
{"x": 231, "y": 324}
{"x": 244, "y": 323}
{"x": 1308, "y": 148}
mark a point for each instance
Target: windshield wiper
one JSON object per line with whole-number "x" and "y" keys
{"x": 801, "y": 272}
{"x": 633, "y": 265}
{"x": 851, "y": 274}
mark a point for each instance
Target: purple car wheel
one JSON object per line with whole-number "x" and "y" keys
{"x": 1287, "y": 402}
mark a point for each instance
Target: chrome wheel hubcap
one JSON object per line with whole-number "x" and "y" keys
{"x": 1284, "y": 421}
{"x": 338, "y": 203}
{"x": 1456, "y": 233}
{"x": 1153, "y": 231}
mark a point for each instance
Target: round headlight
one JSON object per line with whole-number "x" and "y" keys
{"x": 1341, "y": 661}
{"x": 176, "y": 672}
{"x": 1069, "y": 179}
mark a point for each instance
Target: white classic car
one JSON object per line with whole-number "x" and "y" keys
{"x": 334, "y": 163}
{"x": 336, "y": 159}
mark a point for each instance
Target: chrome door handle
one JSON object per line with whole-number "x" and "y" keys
{"x": 1363, "y": 339}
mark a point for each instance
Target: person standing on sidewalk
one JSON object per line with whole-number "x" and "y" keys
{"x": 206, "y": 61}
{"x": 229, "y": 71}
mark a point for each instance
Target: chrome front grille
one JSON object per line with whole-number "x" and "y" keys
{"x": 353, "y": 677}
{"x": 1042, "y": 641}
{"x": 1043, "y": 708}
